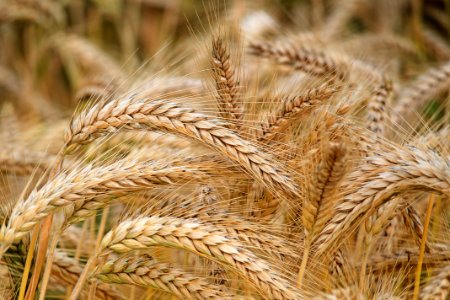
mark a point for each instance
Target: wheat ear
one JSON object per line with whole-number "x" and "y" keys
{"x": 139, "y": 113}
{"x": 411, "y": 218}
{"x": 304, "y": 59}
{"x": 66, "y": 271}
{"x": 436, "y": 45}
{"x": 377, "y": 113}
{"x": 290, "y": 109}
{"x": 205, "y": 240}
{"x": 227, "y": 84}
{"x": 143, "y": 270}
{"x": 380, "y": 178}
{"x": 74, "y": 190}
{"x": 413, "y": 97}
{"x": 348, "y": 293}
{"x": 24, "y": 162}
{"x": 318, "y": 206}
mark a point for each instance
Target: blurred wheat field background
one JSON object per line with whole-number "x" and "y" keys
{"x": 185, "y": 149}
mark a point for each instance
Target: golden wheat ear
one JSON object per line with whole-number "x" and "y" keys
{"x": 200, "y": 239}
{"x": 66, "y": 271}
{"x": 143, "y": 270}
{"x": 133, "y": 112}
{"x": 390, "y": 174}
{"x": 227, "y": 84}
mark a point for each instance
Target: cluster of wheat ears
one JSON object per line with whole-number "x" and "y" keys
{"x": 252, "y": 158}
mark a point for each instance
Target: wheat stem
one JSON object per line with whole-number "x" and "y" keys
{"x": 422, "y": 247}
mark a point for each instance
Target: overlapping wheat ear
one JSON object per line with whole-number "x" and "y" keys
{"x": 202, "y": 239}
{"x": 257, "y": 236}
{"x": 84, "y": 190}
{"x": 409, "y": 257}
{"x": 290, "y": 109}
{"x": 136, "y": 113}
{"x": 381, "y": 177}
{"x": 143, "y": 270}
{"x": 227, "y": 84}
{"x": 395, "y": 208}
{"x": 318, "y": 206}
{"x": 66, "y": 272}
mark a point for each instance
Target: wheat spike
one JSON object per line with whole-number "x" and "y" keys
{"x": 74, "y": 191}
{"x": 291, "y": 109}
{"x": 66, "y": 271}
{"x": 227, "y": 84}
{"x": 377, "y": 113}
{"x": 304, "y": 59}
{"x": 438, "y": 288}
{"x": 21, "y": 162}
{"x": 134, "y": 112}
{"x": 383, "y": 176}
{"x": 436, "y": 45}
{"x": 143, "y": 270}
{"x": 413, "y": 97}
{"x": 144, "y": 232}
{"x": 318, "y": 207}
